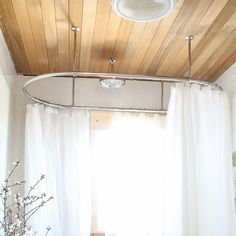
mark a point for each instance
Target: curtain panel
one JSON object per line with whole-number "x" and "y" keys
{"x": 57, "y": 145}
{"x": 199, "y": 196}
{"x": 150, "y": 176}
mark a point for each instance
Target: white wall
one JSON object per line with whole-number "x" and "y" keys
{"x": 7, "y": 77}
{"x": 18, "y": 126}
{"x": 228, "y": 82}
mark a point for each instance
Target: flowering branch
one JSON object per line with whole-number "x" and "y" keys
{"x": 15, "y": 216}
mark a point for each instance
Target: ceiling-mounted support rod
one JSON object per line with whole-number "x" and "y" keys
{"x": 75, "y": 29}
{"x": 112, "y": 62}
{"x": 189, "y": 38}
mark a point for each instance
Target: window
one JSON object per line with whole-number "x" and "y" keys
{"x": 128, "y": 173}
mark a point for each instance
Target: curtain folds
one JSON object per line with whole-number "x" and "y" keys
{"x": 150, "y": 175}
{"x": 57, "y": 145}
{"x": 198, "y": 172}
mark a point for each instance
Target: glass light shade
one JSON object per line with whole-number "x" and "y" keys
{"x": 112, "y": 83}
{"x": 143, "y": 10}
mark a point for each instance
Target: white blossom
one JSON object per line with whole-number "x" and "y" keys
{"x": 17, "y": 213}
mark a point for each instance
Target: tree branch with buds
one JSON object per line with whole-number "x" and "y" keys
{"x": 18, "y": 211}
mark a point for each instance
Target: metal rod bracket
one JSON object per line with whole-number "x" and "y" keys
{"x": 189, "y": 37}
{"x": 112, "y": 60}
{"x": 75, "y": 29}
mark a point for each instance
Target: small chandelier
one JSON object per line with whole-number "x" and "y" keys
{"x": 143, "y": 10}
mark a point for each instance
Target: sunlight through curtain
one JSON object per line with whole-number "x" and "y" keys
{"x": 150, "y": 175}
{"x": 128, "y": 175}
{"x": 173, "y": 180}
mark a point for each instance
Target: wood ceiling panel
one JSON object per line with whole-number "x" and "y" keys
{"x": 146, "y": 39}
{"x": 102, "y": 17}
{"x": 23, "y": 21}
{"x": 168, "y": 60}
{"x": 89, "y": 17}
{"x": 122, "y": 41}
{"x": 222, "y": 46}
{"x": 201, "y": 36}
{"x": 62, "y": 29}
{"x": 50, "y": 32}
{"x": 160, "y": 36}
{"x": 36, "y": 21}
{"x": 4, "y": 30}
{"x": 218, "y": 63}
{"x": 212, "y": 38}
{"x": 39, "y": 36}
{"x": 222, "y": 66}
{"x": 13, "y": 35}
{"x": 175, "y": 34}
{"x": 132, "y": 45}
{"x": 110, "y": 39}
{"x": 175, "y": 43}
{"x": 217, "y": 45}
{"x": 223, "y": 41}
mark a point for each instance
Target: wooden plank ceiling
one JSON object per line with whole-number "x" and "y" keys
{"x": 38, "y": 34}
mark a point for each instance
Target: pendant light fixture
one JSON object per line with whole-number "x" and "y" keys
{"x": 143, "y": 10}
{"x": 112, "y": 82}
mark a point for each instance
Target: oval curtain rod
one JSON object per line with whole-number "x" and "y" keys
{"x": 87, "y": 75}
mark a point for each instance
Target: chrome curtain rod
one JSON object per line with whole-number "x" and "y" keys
{"x": 128, "y": 77}
{"x": 89, "y": 75}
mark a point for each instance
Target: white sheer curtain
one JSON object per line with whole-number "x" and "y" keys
{"x": 128, "y": 175}
{"x": 151, "y": 176}
{"x": 199, "y": 194}
{"x": 178, "y": 184}
{"x": 57, "y": 144}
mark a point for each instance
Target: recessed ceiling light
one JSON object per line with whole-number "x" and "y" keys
{"x": 143, "y": 10}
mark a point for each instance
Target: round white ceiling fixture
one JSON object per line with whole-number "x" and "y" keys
{"x": 143, "y": 10}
